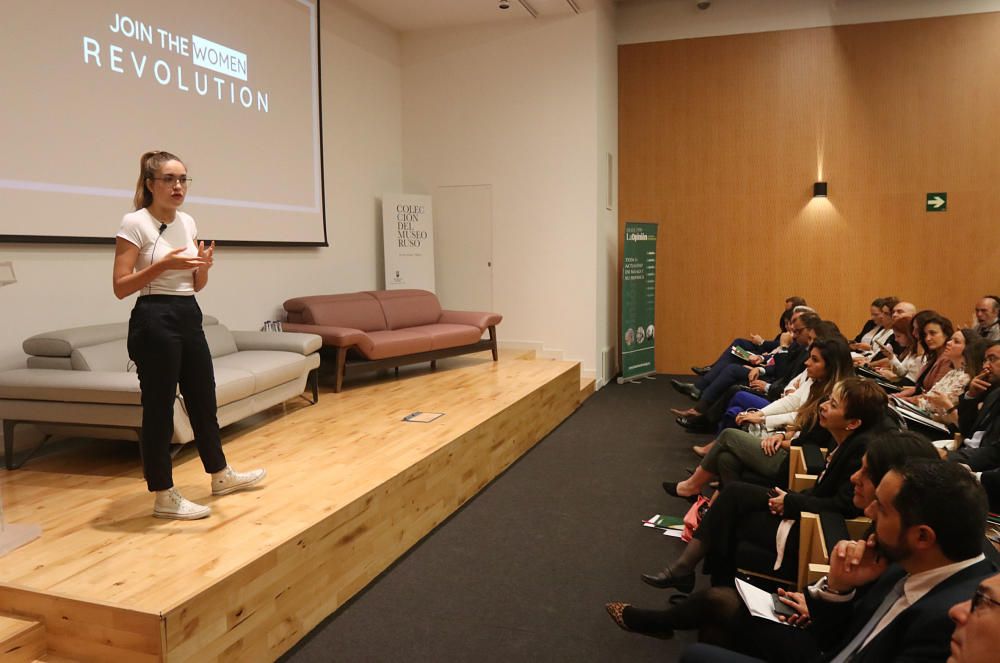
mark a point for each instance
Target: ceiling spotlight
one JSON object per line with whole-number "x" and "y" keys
{"x": 503, "y": 4}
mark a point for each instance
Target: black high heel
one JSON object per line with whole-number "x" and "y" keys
{"x": 671, "y": 488}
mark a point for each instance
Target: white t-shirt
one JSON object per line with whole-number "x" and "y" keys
{"x": 143, "y": 230}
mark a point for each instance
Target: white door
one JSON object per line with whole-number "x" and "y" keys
{"x": 463, "y": 246}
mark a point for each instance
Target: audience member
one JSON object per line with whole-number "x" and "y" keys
{"x": 903, "y": 366}
{"x": 987, "y": 322}
{"x": 736, "y": 450}
{"x": 977, "y": 625}
{"x": 719, "y": 614}
{"x": 878, "y": 328}
{"x": 979, "y": 416}
{"x": 726, "y": 373}
{"x": 744, "y": 511}
{"x": 903, "y": 308}
{"x": 933, "y": 331}
{"x": 888, "y": 597}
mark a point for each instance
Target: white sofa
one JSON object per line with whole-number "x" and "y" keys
{"x": 80, "y": 381}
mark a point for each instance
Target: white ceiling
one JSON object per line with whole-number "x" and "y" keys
{"x": 408, "y": 15}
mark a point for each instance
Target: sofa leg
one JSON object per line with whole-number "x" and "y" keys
{"x": 341, "y": 367}
{"x": 493, "y": 341}
{"x": 8, "y": 443}
{"x": 313, "y": 381}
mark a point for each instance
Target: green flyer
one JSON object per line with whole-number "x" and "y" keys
{"x": 638, "y": 298}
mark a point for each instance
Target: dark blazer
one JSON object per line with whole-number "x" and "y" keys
{"x": 922, "y": 632}
{"x": 972, "y": 418}
{"x": 869, "y": 325}
{"x": 793, "y": 363}
{"x": 834, "y": 491}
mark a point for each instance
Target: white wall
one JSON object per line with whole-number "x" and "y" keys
{"x": 516, "y": 106}
{"x": 606, "y": 68}
{"x": 663, "y": 20}
{"x": 67, "y": 286}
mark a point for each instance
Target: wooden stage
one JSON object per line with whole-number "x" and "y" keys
{"x": 350, "y": 488}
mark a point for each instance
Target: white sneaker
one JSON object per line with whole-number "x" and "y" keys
{"x": 171, "y": 504}
{"x": 229, "y": 480}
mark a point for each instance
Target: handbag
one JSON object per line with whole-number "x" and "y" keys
{"x": 694, "y": 516}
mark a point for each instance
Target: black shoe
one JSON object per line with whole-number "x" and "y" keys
{"x": 701, "y": 370}
{"x": 686, "y": 388}
{"x": 665, "y": 579}
{"x": 671, "y": 488}
{"x": 694, "y": 424}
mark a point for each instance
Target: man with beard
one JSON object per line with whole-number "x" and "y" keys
{"x": 887, "y": 598}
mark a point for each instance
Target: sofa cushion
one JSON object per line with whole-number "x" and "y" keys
{"x": 448, "y": 336}
{"x": 110, "y": 356}
{"x": 396, "y": 343}
{"x": 408, "y": 308}
{"x": 49, "y": 362}
{"x": 268, "y": 368}
{"x": 33, "y": 384}
{"x": 62, "y": 342}
{"x": 231, "y": 384}
{"x": 355, "y": 310}
{"x": 220, "y": 340}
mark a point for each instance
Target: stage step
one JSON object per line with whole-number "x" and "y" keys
{"x": 52, "y": 658}
{"x": 21, "y": 640}
{"x": 587, "y": 386}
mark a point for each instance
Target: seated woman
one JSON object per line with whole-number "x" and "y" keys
{"x": 744, "y": 511}
{"x": 932, "y": 330}
{"x": 722, "y": 413}
{"x": 719, "y": 614}
{"x": 878, "y": 328}
{"x": 905, "y": 366}
{"x": 736, "y": 450}
{"x": 964, "y": 354}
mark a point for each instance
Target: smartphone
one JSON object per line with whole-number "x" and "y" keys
{"x": 781, "y": 608}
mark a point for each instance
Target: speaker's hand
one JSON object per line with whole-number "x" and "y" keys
{"x": 208, "y": 255}
{"x": 174, "y": 260}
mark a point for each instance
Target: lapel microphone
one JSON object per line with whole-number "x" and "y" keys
{"x": 163, "y": 227}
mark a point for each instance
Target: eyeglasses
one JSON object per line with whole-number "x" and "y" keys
{"x": 171, "y": 180}
{"x": 980, "y": 598}
{"x": 988, "y": 358}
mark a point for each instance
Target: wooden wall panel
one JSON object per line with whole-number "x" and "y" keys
{"x": 721, "y": 139}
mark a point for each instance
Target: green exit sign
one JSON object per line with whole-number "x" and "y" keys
{"x": 937, "y": 202}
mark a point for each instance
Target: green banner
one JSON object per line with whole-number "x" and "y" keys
{"x": 638, "y": 299}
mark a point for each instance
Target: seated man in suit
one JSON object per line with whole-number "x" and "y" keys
{"x": 979, "y": 416}
{"x": 724, "y": 374}
{"x": 887, "y": 598}
{"x": 977, "y": 625}
{"x": 756, "y": 342}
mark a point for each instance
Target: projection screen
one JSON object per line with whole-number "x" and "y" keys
{"x": 230, "y": 86}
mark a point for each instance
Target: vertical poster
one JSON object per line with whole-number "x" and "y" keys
{"x": 408, "y": 241}
{"x": 638, "y": 298}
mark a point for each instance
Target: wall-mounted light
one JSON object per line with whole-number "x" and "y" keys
{"x": 819, "y": 190}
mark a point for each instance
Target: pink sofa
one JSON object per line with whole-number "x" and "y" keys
{"x": 389, "y": 328}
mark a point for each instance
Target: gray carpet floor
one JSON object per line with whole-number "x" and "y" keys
{"x": 523, "y": 570}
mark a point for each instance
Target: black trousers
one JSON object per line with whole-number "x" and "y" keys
{"x": 738, "y": 516}
{"x": 167, "y": 344}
